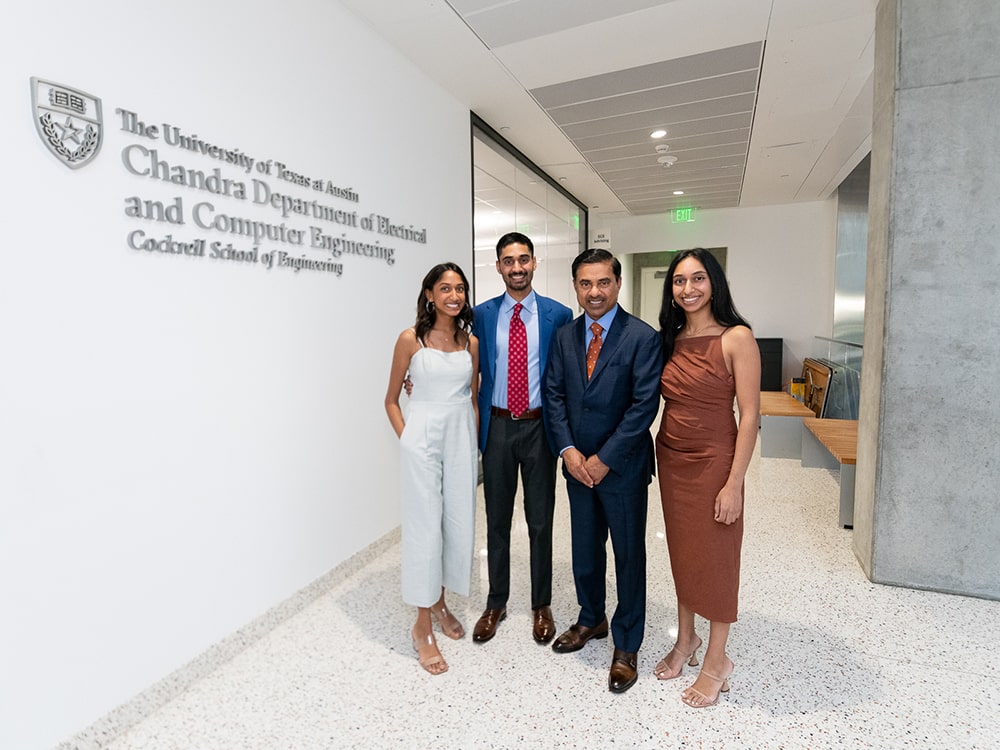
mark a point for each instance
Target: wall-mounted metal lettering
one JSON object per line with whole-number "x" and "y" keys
{"x": 69, "y": 121}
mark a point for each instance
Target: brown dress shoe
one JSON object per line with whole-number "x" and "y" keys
{"x": 623, "y": 672}
{"x": 486, "y": 626}
{"x": 544, "y": 627}
{"x": 577, "y": 636}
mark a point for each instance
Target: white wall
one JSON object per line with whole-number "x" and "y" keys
{"x": 185, "y": 442}
{"x": 780, "y": 264}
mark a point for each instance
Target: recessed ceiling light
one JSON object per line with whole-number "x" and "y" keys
{"x": 678, "y": 192}
{"x": 658, "y": 134}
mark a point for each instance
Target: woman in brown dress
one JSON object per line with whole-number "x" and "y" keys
{"x": 711, "y": 358}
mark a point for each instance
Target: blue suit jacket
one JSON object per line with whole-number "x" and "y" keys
{"x": 551, "y": 315}
{"x": 609, "y": 414}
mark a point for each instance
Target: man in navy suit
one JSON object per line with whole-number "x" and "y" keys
{"x": 602, "y": 388}
{"x": 512, "y": 433}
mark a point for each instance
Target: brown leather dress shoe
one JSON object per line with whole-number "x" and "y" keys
{"x": 486, "y": 626}
{"x": 544, "y": 627}
{"x": 577, "y": 636}
{"x": 623, "y": 672}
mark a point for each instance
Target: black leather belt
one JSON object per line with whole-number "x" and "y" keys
{"x": 496, "y": 411}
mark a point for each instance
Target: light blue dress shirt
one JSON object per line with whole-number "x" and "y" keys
{"x": 529, "y": 315}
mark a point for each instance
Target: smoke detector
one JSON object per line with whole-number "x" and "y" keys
{"x": 667, "y": 161}
{"x": 662, "y": 148}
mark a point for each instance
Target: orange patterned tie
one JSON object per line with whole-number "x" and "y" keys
{"x": 517, "y": 364}
{"x": 594, "y": 348}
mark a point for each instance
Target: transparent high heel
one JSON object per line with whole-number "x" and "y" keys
{"x": 428, "y": 655}
{"x": 449, "y": 624}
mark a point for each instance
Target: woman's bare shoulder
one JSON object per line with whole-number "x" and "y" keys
{"x": 739, "y": 334}
{"x": 407, "y": 340}
{"x": 739, "y": 341}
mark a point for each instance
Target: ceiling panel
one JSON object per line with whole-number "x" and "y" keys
{"x": 773, "y": 97}
{"x": 706, "y": 126}
{"x": 703, "y": 185}
{"x": 658, "y": 98}
{"x": 664, "y": 118}
{"x": 654, "y": 75}
{"x": 737, "y": 150}
{"x": 687, "y": 168}
{"x": 723, "y": 138}
{"x": 500, "y": 23}
{"x": 623, "y": 107}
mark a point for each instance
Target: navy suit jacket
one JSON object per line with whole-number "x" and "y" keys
{"x": 610, "y": 414}
{"x": 551, "y": 315}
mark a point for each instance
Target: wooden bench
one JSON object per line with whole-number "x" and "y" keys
{"x": 833, "y": 444}
{"x": 780, "y": 431}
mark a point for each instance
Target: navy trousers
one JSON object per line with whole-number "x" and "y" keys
{"x": 594, "y": 513}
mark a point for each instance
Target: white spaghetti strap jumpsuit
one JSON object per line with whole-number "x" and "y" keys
{"x": 438, "y": 475}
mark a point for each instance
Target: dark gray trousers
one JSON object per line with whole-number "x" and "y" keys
{"x": 513, "y": 447}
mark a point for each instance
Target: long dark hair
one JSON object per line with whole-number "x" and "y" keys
{"x": 426, "y": 317}
{"x": 673, "y": 318}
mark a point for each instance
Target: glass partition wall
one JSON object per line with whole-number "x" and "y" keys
{"x": 510, "y": 194}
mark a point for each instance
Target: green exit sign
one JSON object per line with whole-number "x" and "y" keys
{"x": 680, "y": 215}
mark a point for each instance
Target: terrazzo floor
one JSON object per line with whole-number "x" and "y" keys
{"x": 824, "y": 658}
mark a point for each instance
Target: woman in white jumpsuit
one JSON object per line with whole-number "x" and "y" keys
{"x": 438, "y": 454}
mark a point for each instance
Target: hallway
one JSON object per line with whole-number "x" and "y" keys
{"x": 823, "y": 657}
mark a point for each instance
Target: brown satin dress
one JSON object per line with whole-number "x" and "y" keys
{"x": 694, "y": 452}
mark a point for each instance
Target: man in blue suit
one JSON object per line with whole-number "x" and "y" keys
{"x": 602, "y": 388}
{"x": 514, "y": 331}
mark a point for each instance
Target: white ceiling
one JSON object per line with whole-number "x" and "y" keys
{"x": 764, "y": 101}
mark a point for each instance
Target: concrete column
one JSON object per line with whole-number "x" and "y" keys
{"x": 927, "y": 500}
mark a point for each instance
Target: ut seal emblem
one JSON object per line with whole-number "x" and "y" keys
{"x": 68, "y": 122}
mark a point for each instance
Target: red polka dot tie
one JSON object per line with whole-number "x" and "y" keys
{"x": 594, "y": 348}
{"x": 517, "y": 364}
